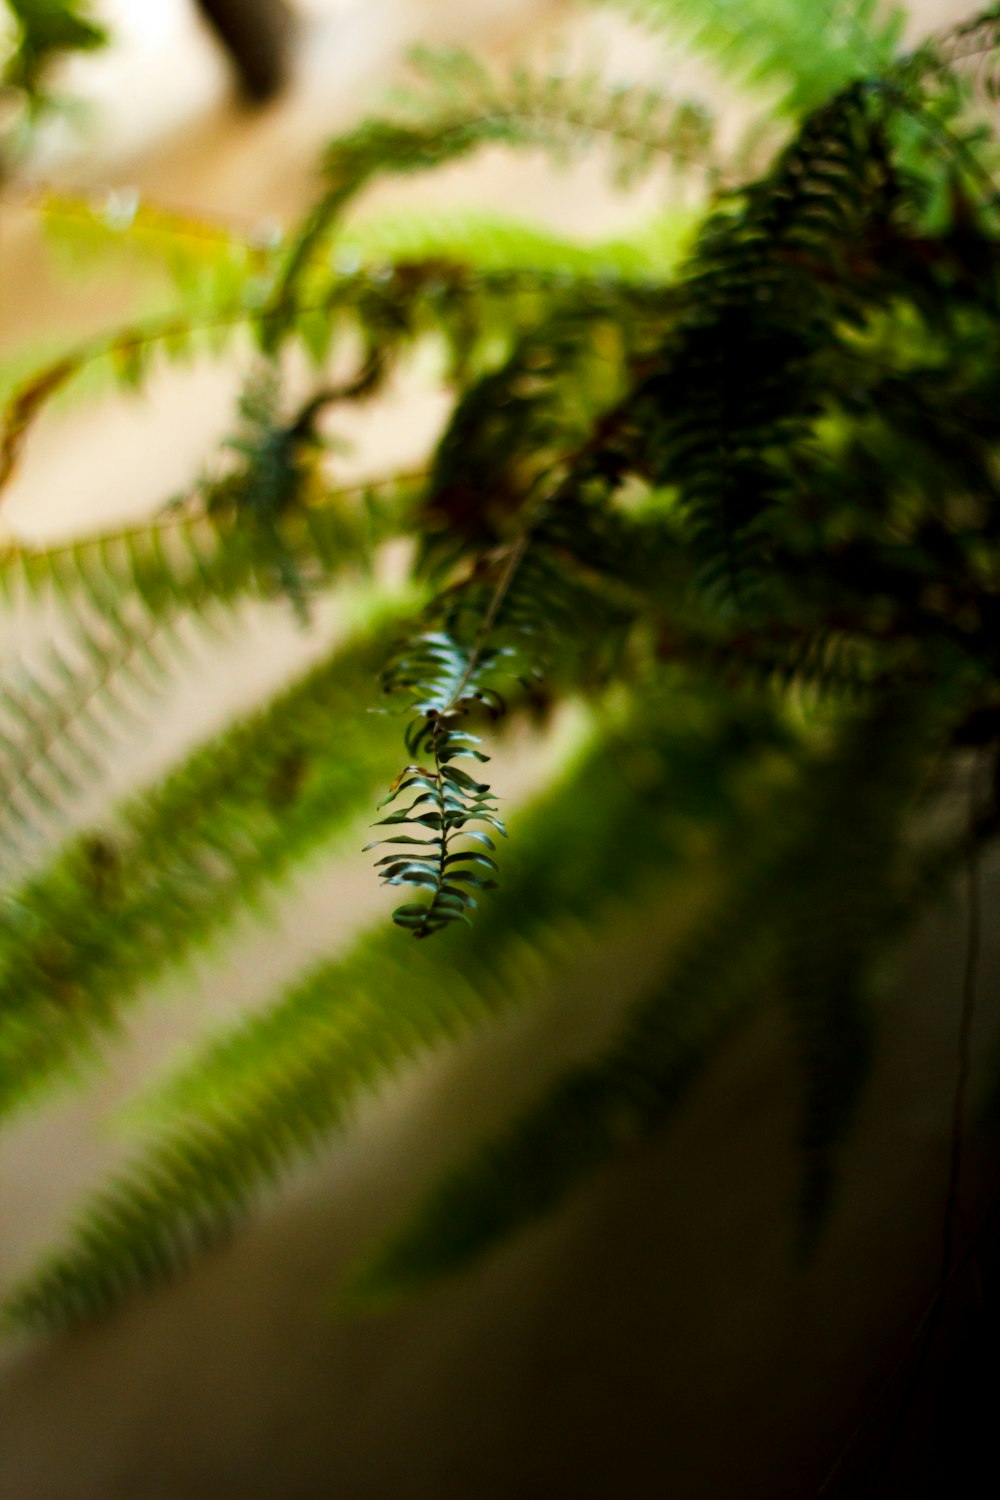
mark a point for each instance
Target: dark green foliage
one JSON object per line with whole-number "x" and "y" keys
{"x": 747, "y": 368}
{"x": 740, "y": 507}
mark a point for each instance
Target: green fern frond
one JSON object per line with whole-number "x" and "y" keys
{"x": 54, "y": 723}
{"x": 285, "y": 1079}
{"x": 132, "y": 591}
{"x": 502, "y": 625}
{"x": 188, "y": 554}
{"x": 446, "y": 674}
{"x": 808, "y": 51}
{"x": 971, "y": 42}
{"x": 465, "y": 109}
{"x": 766, "y": 280}
{"x": 499, "y": 626}
{"x": 446, "y": 680}
{"x": 219, "y": 831}
{"x": 558, "y": 107}
{"x": 491, "y": 242}
{"x": 390, "y": 304}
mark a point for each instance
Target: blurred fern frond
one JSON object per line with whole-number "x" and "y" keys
{"x": 208, "y": 262}
{"x": 187, "y": 856}
{"x": 464, "y": 109}
{"x": 54, "y": 723}
{"x": 193, "y": 551}
{"x": 134, "y": 593}
{"x": 808, "y": 52}
{"x": 766, "y": 280}
{"x": 487, "y": 242}
{"x": 271, "y": 1091}
{"x": 390, "y": 304}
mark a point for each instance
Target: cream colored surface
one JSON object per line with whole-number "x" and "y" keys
{"x": 657, "y": 1338}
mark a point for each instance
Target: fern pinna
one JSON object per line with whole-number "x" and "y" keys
{"x": 726, "y": 490}
{"x": 447, "y": 801}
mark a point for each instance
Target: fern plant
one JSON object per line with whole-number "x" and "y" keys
{"x": 737, "y": 502}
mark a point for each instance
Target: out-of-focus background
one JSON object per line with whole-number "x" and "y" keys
{"x": 657, "y": 1338}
